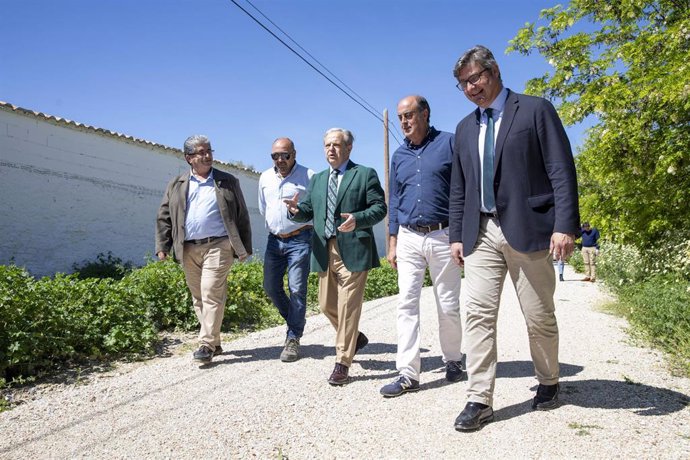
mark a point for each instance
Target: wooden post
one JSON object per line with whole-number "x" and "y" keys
{"x": 386, "y": 163}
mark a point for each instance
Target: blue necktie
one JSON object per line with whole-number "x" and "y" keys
{"x": 489, "y": 201}
{"x": 330, "y": 204}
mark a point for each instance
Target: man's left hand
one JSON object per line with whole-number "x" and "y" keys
{"x": 349, "y": 224}
{"x": 562, "y": 245}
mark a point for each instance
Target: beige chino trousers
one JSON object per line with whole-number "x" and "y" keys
{"x": 341, "y": 293}
{"x": 206, "y": 267}
{"x": 589, "y": 257}
{"x": 533, "y": 276}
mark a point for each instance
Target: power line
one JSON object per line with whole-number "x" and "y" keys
{"x": 311, "y": 56}
{"x": 372, "y": 112}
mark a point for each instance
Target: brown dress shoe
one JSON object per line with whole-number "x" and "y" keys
{"x": 339, "y": 375}
{"x": 586, "y": 278}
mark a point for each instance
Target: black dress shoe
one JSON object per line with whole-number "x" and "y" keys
{"x": 362, "y": 341}
{"x": 473, "y": 416}
{"x": 547, "y": 397}
{"x": 339, "y": 375}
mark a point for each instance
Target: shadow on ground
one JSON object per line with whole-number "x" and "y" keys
{"x": 641, "y": 399}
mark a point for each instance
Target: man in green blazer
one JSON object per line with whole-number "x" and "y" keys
{"x": 344, "y": 201}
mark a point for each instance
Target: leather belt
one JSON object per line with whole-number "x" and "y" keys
{"x": 490, "y": 215}
{"x": 282, "y": 236}
{"x": 205, "y": 240}
{"x": 427, "y": 228}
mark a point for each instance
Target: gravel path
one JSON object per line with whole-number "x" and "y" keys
{"x": 619, "y": 401}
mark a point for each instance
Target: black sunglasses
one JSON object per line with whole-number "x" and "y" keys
{"x": 281, "y": 155}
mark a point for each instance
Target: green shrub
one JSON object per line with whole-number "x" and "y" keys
{"x": 658, "y": 309}
{"x": 161, "y": 286}
{"x": 67, "y": 319}
{"x": 247, "y": 305}
{"x": 105, "y": 266}
{"x": 49, "y": 321}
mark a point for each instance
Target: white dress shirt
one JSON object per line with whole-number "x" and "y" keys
{"x": 273, "y": 189}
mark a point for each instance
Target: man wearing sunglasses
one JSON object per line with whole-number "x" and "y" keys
{"x": 203, "y": 220}
{"x": 289, "y": 243}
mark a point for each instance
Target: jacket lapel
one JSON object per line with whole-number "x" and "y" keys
{"x": 473, "y": 139}
{"x": 508, "y": 116}
{"x": 348, "y": 177}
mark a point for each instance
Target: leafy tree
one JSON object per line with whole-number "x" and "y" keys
{"x": 627, "y": 63}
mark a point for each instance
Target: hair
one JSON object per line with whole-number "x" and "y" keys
{"x": 423, "y": 104}
{"x": 479, "y": 54}
{"x": 193, "y": 142}
{"x": 348, "y": 137}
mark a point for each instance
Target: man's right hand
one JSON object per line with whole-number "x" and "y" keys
{"x": 291, "y": 203}
{"x": 456, "y": 253}
{"x": 162, "y": 255}
{"x": 392, "y": 254}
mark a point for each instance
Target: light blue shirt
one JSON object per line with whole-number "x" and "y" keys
{"x": 273, "y": 189}
{"x": 203, "y": 217}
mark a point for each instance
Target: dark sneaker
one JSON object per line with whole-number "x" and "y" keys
{"x": 400, "y": 386}
{"x": 454, "y": 371}
{"x": 218, "y": 350}
{"x": 203, "y": 354}
{"x": 473, "y": 416}
{"x": 291, "y": 351}
{"x": 547, "y": 397}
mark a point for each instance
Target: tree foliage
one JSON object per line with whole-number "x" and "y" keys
{"x": 627, "y": 63}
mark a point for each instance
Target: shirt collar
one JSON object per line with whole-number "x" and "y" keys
{"x": 499, "y": 103}
{"x": 194, "y": 178}
{"x": 294, "y": 168}
{"x": 341, "y": 169}
{"x": 430, "y": 135}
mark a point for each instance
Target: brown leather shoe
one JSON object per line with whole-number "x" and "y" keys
{"x": 339, "y": 375}
{"x": 586, "y": 278}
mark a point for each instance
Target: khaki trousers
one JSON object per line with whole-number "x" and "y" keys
{"x": 206, "y": 268}
{"x": 589, "y": 257}
{"x": 533, "y": 276}
{"x": 341, "y": 293}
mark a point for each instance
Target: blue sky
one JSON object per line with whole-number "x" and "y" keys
{"x": 165, "y": 69}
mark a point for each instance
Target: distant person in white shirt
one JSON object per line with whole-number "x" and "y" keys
{"x": 203, "y": 221}
{"x": 289, "y": 243}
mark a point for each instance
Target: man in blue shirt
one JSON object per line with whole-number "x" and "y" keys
{"x": 418, "y": 224}
{"x": 289, "y": 243}
{"x": 590, "y": 250}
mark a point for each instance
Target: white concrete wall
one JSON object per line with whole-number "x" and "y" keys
{"x": 69, "y": 193}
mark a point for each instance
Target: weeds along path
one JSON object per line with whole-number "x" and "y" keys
{"x": 618, "y": 400}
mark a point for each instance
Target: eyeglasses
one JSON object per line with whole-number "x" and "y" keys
{"x": 202, "y": 152}
{"x": 474, "y": 79}
{"x": 282, "y": 155}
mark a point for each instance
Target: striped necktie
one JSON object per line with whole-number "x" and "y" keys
{"x": 330, "y": 203}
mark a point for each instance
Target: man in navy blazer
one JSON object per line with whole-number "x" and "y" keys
{"x": 513, "y": 207}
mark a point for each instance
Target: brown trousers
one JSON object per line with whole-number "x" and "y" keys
{"x": 206, "y": 268}
{"x": 341, "y": 293}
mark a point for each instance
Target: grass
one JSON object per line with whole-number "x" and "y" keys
{"x": 583, "y": 430}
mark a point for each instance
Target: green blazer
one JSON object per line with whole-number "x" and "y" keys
{"x": 359, "y": 194}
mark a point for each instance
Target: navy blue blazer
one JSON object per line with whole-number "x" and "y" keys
{"x": 535, "y": 183}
